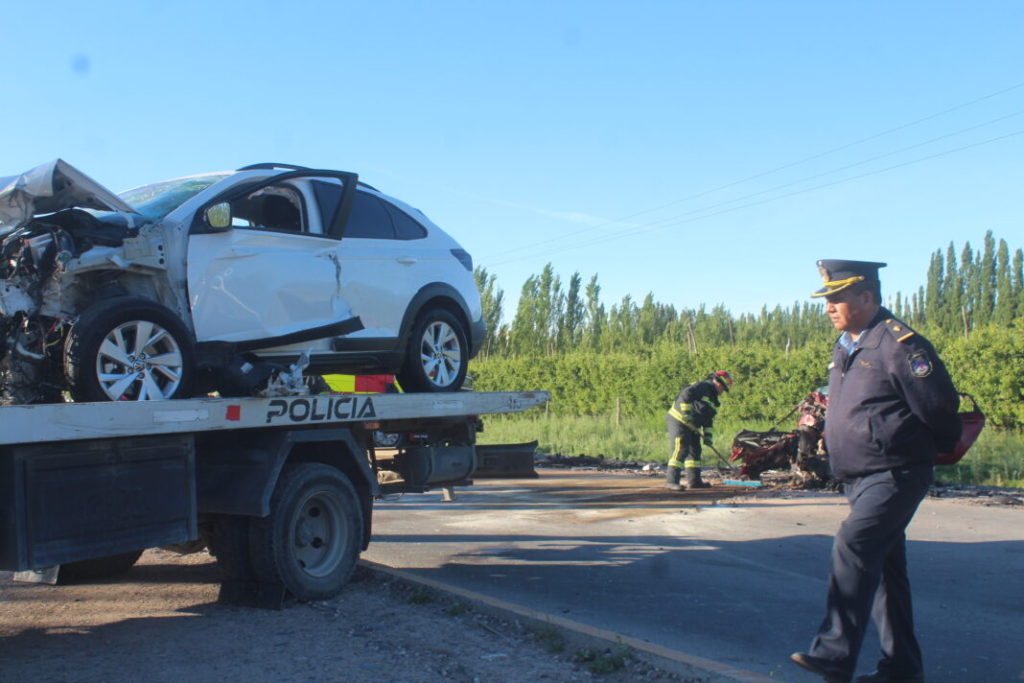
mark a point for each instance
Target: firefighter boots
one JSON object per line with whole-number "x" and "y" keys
{"x": 693, "y": 480}
{"x": 672, "y": 479}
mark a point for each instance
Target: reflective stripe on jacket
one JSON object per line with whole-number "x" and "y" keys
{"x": 696, "y": 405}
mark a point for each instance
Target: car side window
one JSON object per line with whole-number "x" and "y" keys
{"x": 406, "y": 227}
{"x": 369, "y": 219}
{"x": 275, "y": 208}
{"x": 328, "y": 199}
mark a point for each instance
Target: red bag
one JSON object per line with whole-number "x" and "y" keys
{"x": 973, "y": 421}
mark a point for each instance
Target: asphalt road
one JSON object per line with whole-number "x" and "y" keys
{"x": 739, "y": 580}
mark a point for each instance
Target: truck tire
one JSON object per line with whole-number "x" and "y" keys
{"x": 311, "y": 540}
{"x": 129, "y": 349}
{"x": 230, "y": 545}
{"x": 438, "y": 353}
{"x": 97, "y": 568}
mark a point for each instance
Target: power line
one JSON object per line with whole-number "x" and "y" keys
{"x": 836, "y": 170}
{"x": 589, "y": 229}
{"x": 810, "y": 189}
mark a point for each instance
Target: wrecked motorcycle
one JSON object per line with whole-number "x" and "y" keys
{"x": 800, "y": 451}
{"x": 803, "y": 452}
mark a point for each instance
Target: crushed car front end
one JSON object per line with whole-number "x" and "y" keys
{"x": 66, "y": 243}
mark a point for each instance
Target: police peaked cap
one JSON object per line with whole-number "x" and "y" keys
{"x": 838, "y": 275}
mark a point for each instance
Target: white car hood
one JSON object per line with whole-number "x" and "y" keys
{"x": 48, "y": 188}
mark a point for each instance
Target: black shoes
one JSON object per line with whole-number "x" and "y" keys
{"x": 693, "y": 480}
{"x": 672, "y": 478}
{"x": 883, "y": 677}
{"x": 824, "y": 668}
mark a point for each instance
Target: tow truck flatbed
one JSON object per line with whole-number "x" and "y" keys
{"x": 280, "y": 490}
{"x": 73, "y": 421}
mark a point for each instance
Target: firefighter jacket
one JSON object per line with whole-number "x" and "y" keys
{"x": 891, "y": 402}
{"x": 696, "y": 405}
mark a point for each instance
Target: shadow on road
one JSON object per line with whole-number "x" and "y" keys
{"x": 751, "y": 602}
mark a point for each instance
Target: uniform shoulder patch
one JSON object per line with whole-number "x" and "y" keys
{"x": 920, "y": 363}
{"x": 899, "y": 329}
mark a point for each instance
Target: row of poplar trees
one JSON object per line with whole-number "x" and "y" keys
{"x": 963, "y": 291}
{"x": 971, "y": 306}
{"x": 555, "y": 317}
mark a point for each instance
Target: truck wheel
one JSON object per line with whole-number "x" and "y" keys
{"x": 128, "y": 349}
{"x": 311, "y": 540}
{"x": 97, "y": 568}
{"x": 230, "y": 545}
{"x": 437, "y": 356}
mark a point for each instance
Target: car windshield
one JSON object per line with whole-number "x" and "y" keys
{"x": 156, "y": 200}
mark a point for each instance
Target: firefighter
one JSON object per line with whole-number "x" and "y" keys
{"x": 689, "y": 422}
{"x": 891, "y": 408}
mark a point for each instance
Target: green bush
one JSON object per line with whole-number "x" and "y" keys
{"x": 988, "y": 365}
{"x": 613, "y": 404}
{"x": 639, "y": 384}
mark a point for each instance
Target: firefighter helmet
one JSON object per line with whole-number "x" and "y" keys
{"x": 723, "y": 378}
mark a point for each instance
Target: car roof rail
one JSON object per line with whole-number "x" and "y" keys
{"x": 271, "y": 164}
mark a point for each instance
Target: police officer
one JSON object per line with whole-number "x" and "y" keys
{"x": 891, "y": 409}
{"x": 689, "y": 420}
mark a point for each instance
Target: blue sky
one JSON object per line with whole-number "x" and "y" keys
{"x": 706, "y": 152}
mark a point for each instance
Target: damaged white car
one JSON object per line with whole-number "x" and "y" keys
{"x": 220, "y": 281}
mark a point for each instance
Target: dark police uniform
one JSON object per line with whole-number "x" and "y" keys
{"x": 692, "y": 412}
{"x": 891, "y": 409}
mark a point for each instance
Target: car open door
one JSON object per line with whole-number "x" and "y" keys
{"x": 271, "y": 276}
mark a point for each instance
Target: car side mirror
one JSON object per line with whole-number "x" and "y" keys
{"x": 218, "y": 217}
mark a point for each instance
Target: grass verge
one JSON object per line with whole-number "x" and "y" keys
{"x": 605, "y": 661}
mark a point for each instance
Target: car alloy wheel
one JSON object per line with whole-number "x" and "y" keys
{"x": 440, "y": 354}
{"x": 437, "y": 353}
{"x": 129, "y": 349}
{"x": 138, "y": 361}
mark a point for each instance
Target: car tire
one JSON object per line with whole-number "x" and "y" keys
{"x": 437, "y": 355}
{"x": 97, "y": 568}
{"x": 310, "y": 542}
{"x": 104, "y": 359}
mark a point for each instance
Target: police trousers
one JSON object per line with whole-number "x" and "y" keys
{"x": 869, "y": 573}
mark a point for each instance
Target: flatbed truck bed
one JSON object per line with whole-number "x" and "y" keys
{"x": 280, "y": 490}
